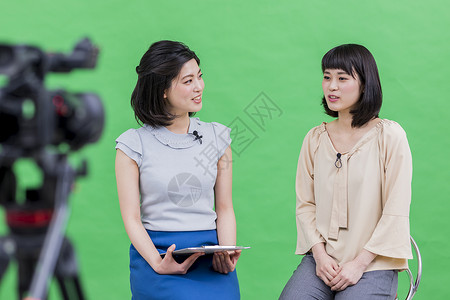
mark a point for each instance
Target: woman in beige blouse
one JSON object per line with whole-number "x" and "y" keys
{"x": 353, "y": 189}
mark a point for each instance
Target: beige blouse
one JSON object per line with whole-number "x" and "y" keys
{"x": 360, "y": 201}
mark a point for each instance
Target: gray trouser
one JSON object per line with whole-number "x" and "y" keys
{"x": 304, "y": 284}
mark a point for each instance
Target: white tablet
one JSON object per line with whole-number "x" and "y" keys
{"x": 206, "y": 249}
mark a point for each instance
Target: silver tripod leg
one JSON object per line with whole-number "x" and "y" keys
{"x": 52, "y": 244}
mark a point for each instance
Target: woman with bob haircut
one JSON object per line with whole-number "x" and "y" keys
{"x": 174, "y": 179}
{"x": 353, "y": 188}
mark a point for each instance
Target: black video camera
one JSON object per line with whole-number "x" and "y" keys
{"x": 32, "y": 117}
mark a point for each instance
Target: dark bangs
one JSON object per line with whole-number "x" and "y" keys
{"x": 339, "y": 59}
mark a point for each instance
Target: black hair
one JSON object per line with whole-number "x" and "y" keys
{"x": 353, "y": 58}
{"x": 158, "y": 67}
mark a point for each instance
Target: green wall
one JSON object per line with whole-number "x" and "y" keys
{"x": 249, "y": 47}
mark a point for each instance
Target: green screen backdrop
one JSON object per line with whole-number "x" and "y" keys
{"x": 251, "y": 52}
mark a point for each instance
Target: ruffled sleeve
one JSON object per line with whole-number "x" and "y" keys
{"x": 307, "y": 233}
{"x": 223, "y": 138}
{"x": 130, "y": 143}
{"x": 391, "y": 236}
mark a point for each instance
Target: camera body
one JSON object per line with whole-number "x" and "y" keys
{"x": 32, "y": 117}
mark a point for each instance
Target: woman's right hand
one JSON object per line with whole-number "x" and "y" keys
{"x": 168, "y": 265}
{"x": 326, "y": 267}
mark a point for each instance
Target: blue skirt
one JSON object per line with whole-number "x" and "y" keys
{"x": 200, "y": 282}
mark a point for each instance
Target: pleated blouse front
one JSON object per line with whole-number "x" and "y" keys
{"x": 358, "y": 199}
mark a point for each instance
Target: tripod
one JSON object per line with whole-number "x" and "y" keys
{"x": 36, "y": 240}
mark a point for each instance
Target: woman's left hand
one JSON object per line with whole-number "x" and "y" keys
{"x": 225, "y": 262}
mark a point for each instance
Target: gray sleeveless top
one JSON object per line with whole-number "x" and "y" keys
{"x": 177, "y": 173}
